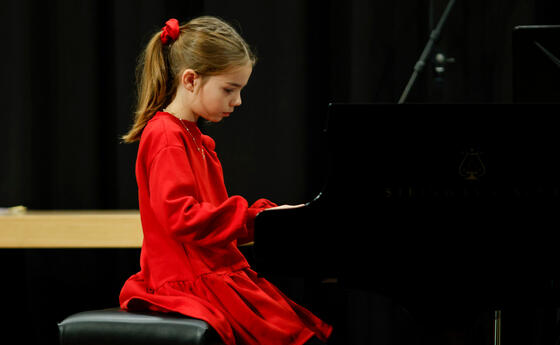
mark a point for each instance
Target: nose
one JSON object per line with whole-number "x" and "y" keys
{"x": 237, "y": 101}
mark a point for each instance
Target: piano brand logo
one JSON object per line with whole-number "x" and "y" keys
{"x": 472, "y": 167}
{"x": 472, "y": 192}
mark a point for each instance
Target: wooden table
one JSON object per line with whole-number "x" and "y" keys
{"x": 71, "y": 229}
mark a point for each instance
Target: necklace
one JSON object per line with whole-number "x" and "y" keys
{"x": 199, "y": 148}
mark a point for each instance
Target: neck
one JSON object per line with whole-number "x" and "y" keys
{"x": 181, "y": 112}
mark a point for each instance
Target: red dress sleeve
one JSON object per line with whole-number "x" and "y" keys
{"x": 174, "y": 200}
{"x": 252, "y": 212}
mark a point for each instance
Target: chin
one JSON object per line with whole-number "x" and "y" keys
{"x": 215, "y": 119}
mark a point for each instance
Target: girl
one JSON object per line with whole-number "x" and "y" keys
{"x": 190, "y": 263}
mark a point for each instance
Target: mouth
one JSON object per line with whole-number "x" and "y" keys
{"x": 227, "y": 114}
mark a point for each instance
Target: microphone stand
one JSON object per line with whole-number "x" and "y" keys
{"x": 434, "y": 36}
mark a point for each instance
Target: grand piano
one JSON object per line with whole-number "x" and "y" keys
{"x": 429, "y": 203}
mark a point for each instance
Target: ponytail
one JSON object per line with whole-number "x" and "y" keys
{"x": 154, "y": 92}
{"x": 206, "y": 44}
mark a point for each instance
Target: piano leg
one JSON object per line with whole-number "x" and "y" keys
{"x": 497, "y": 327}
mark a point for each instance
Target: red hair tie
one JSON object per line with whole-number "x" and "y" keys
{"x": 170, "y": 31}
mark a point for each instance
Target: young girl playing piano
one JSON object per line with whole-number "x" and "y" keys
{"x": 190, "y": 262}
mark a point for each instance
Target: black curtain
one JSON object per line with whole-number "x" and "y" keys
{"x": 68, "y": 85}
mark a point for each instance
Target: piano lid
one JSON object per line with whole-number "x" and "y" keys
{"x": 443, "y": 152}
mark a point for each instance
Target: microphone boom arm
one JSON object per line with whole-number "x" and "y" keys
{"x": 427, "y": 51}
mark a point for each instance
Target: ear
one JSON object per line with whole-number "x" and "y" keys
{"x": 189, "y": 79}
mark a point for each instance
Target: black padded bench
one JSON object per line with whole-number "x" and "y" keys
{"x": 116, "y": 326}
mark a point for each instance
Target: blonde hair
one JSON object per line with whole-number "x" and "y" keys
{"x": 208, "y": 45}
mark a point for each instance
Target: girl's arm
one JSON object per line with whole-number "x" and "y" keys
{"x": 172, "y": 198}
{"x": 259, "y": 206}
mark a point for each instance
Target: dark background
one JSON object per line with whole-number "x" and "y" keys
{"x": 68, "y": 85}
{"x": 68, "y": 94}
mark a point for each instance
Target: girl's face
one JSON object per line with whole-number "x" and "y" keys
{"x": 217, "y": 96}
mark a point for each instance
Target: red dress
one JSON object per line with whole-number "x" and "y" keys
{"x": 190, "y": 262}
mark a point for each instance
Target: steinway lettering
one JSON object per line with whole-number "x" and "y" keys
{"x": 414, "y": 193}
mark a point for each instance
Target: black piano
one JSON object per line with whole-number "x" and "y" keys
{"x": 429, "y": 202}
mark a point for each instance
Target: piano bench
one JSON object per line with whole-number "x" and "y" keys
{"x": 116, "y": 326}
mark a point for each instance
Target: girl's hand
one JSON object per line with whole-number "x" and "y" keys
{"x": 284, "y": 207}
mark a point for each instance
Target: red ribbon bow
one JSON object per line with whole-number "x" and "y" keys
{"x": 170, "y": 31}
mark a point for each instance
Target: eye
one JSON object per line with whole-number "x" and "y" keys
{"x": 228, "y": 90}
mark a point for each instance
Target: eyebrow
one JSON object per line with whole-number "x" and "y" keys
{"x": 233, "y": 84}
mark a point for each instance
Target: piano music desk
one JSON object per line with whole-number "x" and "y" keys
{"x": 71, "y": 229}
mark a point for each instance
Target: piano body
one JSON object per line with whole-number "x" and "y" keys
{"x": 428, "y": 203}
